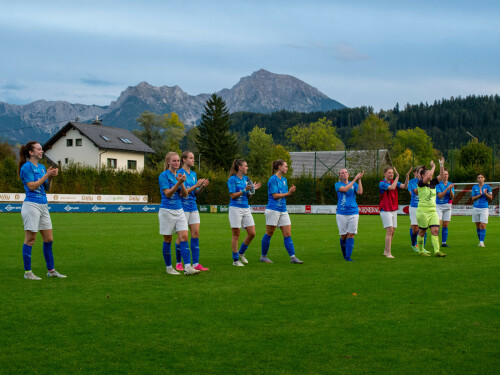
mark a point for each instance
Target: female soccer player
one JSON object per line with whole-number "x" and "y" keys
{"x": 481, "y": 195}
{"x": 35, "y": 212}
{"x": 445, "y": 193}
{"x": 276, "y": 213}
{"x": 240, "y": 215}
{"x": 193, "y": 187}
{"x": 171, "y": 215}
{"x": 389, "y": 204}
{"x": 427, "y": 215}
{"x": 347, "y": 210}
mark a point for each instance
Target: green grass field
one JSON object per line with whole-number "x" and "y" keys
{"x": 118, "y": 312}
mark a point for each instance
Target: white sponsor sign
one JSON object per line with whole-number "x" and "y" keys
{"x": 79, "y": 198}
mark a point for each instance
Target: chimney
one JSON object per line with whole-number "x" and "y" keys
{"x": 97, "y": 121}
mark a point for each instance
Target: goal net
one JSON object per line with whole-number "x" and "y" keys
{"x": 462, "y": 201}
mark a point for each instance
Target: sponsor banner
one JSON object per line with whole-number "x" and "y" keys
{"x": 324, "y": 210}
{"x": 204, "y": 209}
{"x": 70, "y": 207}
{"x": 224, "y": 209}
{"x": 79, "y": 198}
{"x": 10, "y": 207}
{"x": 258, "y": 209}
{"x": 369, "y": 210}
{"x": 296, "y": 209}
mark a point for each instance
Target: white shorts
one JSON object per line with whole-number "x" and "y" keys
{"x": 413, "y": 215}
{"x": 444, "y": 211}
{"x": 240, "y": 217}
{"x": 347, "y": 224}
{"x": 192, "y": 217}
{"x": 172, "y": 221}
{"x": 389, "y": 218}
{"x": 277, "y": 218}
{"x": 35, "y": 216}
{"x": 480, "y": 215}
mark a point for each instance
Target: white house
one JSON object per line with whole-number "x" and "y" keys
{"x": 96, "y": 145}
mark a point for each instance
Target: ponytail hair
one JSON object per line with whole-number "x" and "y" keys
{"x": 24, "y": 154}
{"x": 167, "y": 159}
{"x": 184, "y": 156}
{"x": 276, "y": 164}
{"x": 237, "y": 163}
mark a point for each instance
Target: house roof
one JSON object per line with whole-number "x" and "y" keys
{"x": 320, "y": 163}
{"x": 103, "y": 137}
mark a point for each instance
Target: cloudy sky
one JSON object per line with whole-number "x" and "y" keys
{"x": 374, "y": 53}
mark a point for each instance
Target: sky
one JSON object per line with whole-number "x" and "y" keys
{"x": 375, "y": 53}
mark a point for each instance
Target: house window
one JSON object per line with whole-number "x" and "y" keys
{"x": 126, "y": 140}
{"x": 132, "y": 164}
{"x": 78, "y": 142}
{"x": 112, "y": 163}
{"x": 105, "y": 138}
{"x": 66, "y": 160}
{"x": 69, "y": 143}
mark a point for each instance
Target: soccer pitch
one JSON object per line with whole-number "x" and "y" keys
{"x": 119, "y": 312}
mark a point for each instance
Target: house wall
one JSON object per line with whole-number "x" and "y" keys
{"x": 87, "y": 153}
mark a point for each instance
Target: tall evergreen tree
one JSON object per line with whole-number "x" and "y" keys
{"x": 215, "y": 142}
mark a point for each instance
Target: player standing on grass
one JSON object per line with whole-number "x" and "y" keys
{"x": 412, "y": 188}
{"x": 240, "y": 216}
{"x": 427, "y": 215}
{"x": 193, "y": 187}
{"x": 389, "y": 204}
{"x": 276, "y": 212}
{"x": 445, "y": 193}
{"x": 347, "y": 210}
{"x": 35, "y": 212}
{"x": 171, "y": 215}
{"x": 481, "y": 195}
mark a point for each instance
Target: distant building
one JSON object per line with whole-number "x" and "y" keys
{"x": 319, "y": 163}
{"x": 96, "y": 145}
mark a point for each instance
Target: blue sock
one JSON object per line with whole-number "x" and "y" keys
{"x": 27, "y": 257}
{"x": 444, "y": 235}
{"x": 413, "y": 237}
{"x": 289, "y": 246}
{"x": 482, "y": 234}
{"x": 348, "y": 249}
{"x": 178, "y": 257}
{"x": 236, "y": 256}
{"x": 343, "y": 246}
{"x": 47, "y": 253}
{"x": 478, "y": 235}
{"x": 167, "y": 257}
{"x": 266, "y": 241}
{"x": 243, "y": 248}
{"x": 425, "y": 238}
{"x": 195, "y": 250}
{"x": 186, "y": 256}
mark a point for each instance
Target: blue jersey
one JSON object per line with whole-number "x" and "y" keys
{"x": 236, "y": 184}
{"x": 189, "y": 203}
{"x": 412, "y": 185}
{"x": 483, "y": 201}
{"x": 346, "y": 204}
{"x": 280, "y": 186}
{"x": 167, "y": 181}
{"x": 447, "y": 197}
{"x": 31, "y": 173}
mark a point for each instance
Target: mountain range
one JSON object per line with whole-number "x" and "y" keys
{"x": 261, "y": 92}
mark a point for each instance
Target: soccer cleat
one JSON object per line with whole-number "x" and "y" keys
{"x": 31, "y": 276}
{"x": 243, "y": 259}
{"x": 171, "y": 271}
{"x": 424, "y": 254}
{"x": 190, "y": 271}
{"x": 179, "y": 267}
{"x": 238, "y": 263}
{"x": 265, "y": 259}
{"x": 444, "y": 245}
{"x": 54, "y": 273}
{"x": 295, "y": 260}
{"x": 481, "y": 244}
{"x": 439, "y": 254}
{"x": 199, "y": 267}
{"x": 415, "y": 248}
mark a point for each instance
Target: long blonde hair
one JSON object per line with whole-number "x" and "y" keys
{"x": 167, "y": 159}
